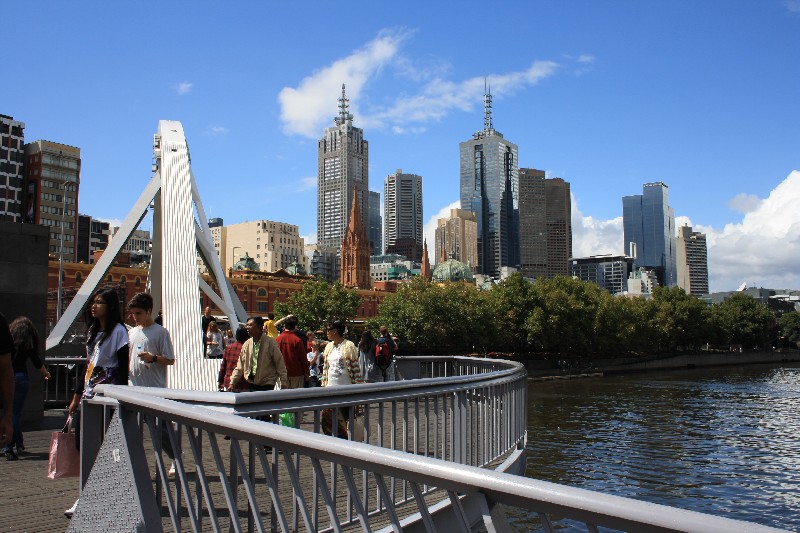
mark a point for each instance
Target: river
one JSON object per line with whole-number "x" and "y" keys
{"x": 724, "y": 441}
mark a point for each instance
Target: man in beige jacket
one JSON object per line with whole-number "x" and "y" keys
{"x": 260, "y": 361}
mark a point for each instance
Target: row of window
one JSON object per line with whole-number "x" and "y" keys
{"x": 60, "y": 186}
{"x": 55, "y": 211}
{"x": 56, "y": 223}
{"x": 67, "y": 237}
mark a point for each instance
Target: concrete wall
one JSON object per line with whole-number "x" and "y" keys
{"x": 23, "y": 291}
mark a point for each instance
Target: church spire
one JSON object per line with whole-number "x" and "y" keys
{"x": 425, "y": 269}
{"x": 344, "y": 109}
{"x": 354, "y": 259}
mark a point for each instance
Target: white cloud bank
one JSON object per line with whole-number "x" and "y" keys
{"x": 762, "y": 249}
{"x": 308, "y": 108}
{"x": 183, "y": 87}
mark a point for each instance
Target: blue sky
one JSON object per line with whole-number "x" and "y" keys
{"x": 607, "y": 95}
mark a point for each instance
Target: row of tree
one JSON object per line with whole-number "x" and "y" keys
{"x": 560, "y": 315}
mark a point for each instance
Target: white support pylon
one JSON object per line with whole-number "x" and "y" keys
{"x": 179, "y": 238}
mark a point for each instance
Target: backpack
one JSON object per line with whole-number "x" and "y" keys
{"x": 383, "y": 354}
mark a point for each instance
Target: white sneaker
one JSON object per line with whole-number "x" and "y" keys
{"x": 71, "y": 511}
{"x": 171, "y": 473}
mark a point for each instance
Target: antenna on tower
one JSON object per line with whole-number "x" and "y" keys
{"x": 487, "y": 105}
{"x": 344, "y": 109}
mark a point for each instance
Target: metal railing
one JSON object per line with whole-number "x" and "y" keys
{"x": 65, "y": 372}
{"x": 433, "y": 456}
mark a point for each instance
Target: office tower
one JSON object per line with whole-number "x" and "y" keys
{"x": 649, "y": 223}
{"x": 692, "y": 261}
{"x": 402, "y": 215}
{"x": 607, "y": 271}
{"x": 558, "y": 213}
{"x": 273, "y": 245}
{"x": 342, "y": 170}
{"x": 355, "y": 266}
{"x": 375, "y": 223}
{"x": 490, "y": 188}
{"x": 12, "y": 141}
{"x": 52, "y": 179}
{"x": 457, "y": 237}
{"x": 93, "y": 236}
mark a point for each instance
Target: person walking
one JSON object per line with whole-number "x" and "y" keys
{"x": 385, "y": 349}
{"x": 293, "y": 348}
{"x": 26, "y": 346}
{"x": 260, "y": 362}
{"x": 270, "y": 327}
{"x": 229, "y": 360}
{"x": 6, "y": 382}
{"x": 366, "y": 357}
{"x": 207, "y": 319}
{"x": 214, "y": 346}
{"x": 340, "y": 367}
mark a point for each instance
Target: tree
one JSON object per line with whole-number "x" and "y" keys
{"x": 318, "y": 302}
{"x": 679, "y": 322}
{"x": 743, "y": 320}
{"x": 512, "y": 302}
{"x": 790, "y": 326}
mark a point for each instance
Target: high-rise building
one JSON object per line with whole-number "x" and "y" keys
{"x": 545, "y": 227}
{"x": 342, "y": 170}
{"x": 355, "y": 265}
{"x": 93, "y": 236}
{"x": 402, "y": 215}
{"x": 273, "y": 245}
{"x": 375, "y": 223}
{"x": 12, "y": 158}
{"x": 52, "y": 179}
{"x": 692, "y": 261}
{"x": 490, "y": 189}
{"x": 457, "y": 237}
{"x": 607, "y": 271}
{"x": 649, "y": 223}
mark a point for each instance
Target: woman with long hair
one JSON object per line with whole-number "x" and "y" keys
{"x": 214, "y": 346}
{"x": 26, "y": 346}
{"x": 366, "y": 356}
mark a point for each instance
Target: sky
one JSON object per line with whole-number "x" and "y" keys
{"x": 608, "y": 95}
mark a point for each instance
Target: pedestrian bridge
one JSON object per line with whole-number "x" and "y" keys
{"x": 441, "y": 450}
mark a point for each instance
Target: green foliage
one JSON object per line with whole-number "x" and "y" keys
{"x": 319, "y": 301}
{"x": 512, "y": 302}
{"x": 742, "y": 320}
{"x": 679, "y": 320}
{"x": 790, "y": 326}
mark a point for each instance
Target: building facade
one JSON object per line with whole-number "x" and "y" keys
{"x": 607, "y": 271}
{"x": 273, "y": 245}
{"x": 649, "y": 230}
{"x": 12, "y": 163}
{"x": 490, "y": 189}
{"x": 93, "y": 236}
{"x": 545, "y": 225}
{"x": 457, "y": 237}
{"x": 692, "y": 261}
{"x": 342, "y": 171}
{"x": 52, "y": 180}
{"x": 375, "y": 223}
{"x": 402, "y": 214}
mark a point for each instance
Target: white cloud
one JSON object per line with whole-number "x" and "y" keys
{"x": 591, "y": 236}
{"x": 305, "y": 110}
{"x": 217, "y": 130}
{"x": 792, "y": 5}
{"x": 306, "y": 184}
{"x": 309, "y": 107}
{"x": 183, "y": 87}
{"x": 744, "y": 203}
{"x": 429, "y": 229}
{"x": 311, "y": 238}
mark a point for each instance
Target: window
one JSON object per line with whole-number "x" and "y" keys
{"x": 245, "y": 290}
{"x": 262, "y": 292}
{"x": 261, "y": 307}
{"x": 123, "y": 279}
{"x": 277, "y": 293}
{"x": 138, "y": 282}
{"x": 109, "y": 278}
{"x": 78, "y": 277}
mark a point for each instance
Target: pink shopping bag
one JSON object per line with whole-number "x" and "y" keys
{"x": 65, "y": 460}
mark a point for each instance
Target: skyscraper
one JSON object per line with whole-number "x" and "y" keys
{"x": 490, "y": 189}
{"x": 692, "y": 261}
{"x": 545, "y": 227}
{"x": 457, "y": 237}
{"x": 342, "y": 170}
{"x": 649, "y": 222}
{"x": 375, "y": 223}
{"x": 12, "y": 141}
{"x": 402, "y": 215}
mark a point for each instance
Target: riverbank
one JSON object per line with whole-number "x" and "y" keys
{"x": 538, "y": 370}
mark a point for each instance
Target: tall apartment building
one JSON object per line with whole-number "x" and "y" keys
{"x": 93, "y": 235}
{"x": 402, "y": 215}
{"x": 375, "y": 223}
{"x": 490, "y": 189}
{"x": 607, "y": 271}
{"x": 273, "y": 245}
{"x": 457, "y": 237}
{"x": 12, "y": 177}
{"x": 649, "y": 223}
{"x": 52, "y": 179}
{"x": 692, "y": 261}
{"x": 545, "y": 226}
{"x": 342, "y": 170}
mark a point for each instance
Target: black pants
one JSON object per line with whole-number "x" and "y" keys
{"x": 260, "y": 388}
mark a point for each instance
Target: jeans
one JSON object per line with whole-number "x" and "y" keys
{"x": 22, "y": 383}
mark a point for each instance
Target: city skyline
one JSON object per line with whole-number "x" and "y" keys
{"x": 651, "y": 93}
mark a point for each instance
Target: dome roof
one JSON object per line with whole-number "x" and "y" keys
{"x": 245, "y": 263}
{"x": 452, "y": 270}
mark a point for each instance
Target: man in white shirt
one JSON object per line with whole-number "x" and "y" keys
{"x": 150, "y": 345}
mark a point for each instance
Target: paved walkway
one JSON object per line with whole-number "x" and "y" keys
{"x": 31, "y": 501}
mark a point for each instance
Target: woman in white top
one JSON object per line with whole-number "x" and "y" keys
{"x": 340, "y": 367}
{"x": 214, "y": 346}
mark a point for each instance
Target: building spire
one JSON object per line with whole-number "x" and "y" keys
{"x": 344, "y": 109}
{"x": 487, "y": 105}
{"x": 425, "y": 268}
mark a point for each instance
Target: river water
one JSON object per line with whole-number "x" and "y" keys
{"x": 724, "y": 441}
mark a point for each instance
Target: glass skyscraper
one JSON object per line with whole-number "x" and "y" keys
{"x": 490, "y": 189}
{"x": 649, "y": 223}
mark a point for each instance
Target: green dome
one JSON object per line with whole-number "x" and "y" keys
{"x": 296, "y": 269}
{"x": 452, "y": 270}
{"x": 245, "y": 263}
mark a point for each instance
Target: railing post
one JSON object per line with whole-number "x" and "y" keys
{"x": 92, "y": 428}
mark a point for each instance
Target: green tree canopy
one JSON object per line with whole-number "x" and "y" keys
{"x": 319, "y": 301}
{"x": 790, "y": 326}
{"x": 743, "y": 320}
